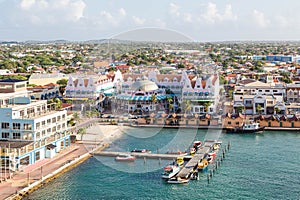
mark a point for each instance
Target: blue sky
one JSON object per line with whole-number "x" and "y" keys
{"x": 201, "y": 20}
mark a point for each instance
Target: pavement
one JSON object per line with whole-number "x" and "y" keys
{"x": 96, "y": 136}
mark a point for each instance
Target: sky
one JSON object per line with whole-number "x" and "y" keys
{"x": 199, "y": 20}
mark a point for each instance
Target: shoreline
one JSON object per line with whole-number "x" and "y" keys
{"x": 91, "y": 140}
{"x": 208, "y": 127}
{"x": 108, "y": 133}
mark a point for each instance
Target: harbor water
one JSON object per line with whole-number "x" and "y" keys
{"x": 257, "y": 166}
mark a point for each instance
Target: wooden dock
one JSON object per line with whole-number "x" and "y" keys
{"x": 143, "y": 155}
{"x": 192, "y": 164}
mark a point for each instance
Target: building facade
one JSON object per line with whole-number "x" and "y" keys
{"x": 30, "y": 130}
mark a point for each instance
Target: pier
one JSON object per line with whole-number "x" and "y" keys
{"x": 143, "y": 155}
{"x": 193, "y": 162}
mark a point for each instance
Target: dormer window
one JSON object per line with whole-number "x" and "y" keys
{"x": 166, "y": 79}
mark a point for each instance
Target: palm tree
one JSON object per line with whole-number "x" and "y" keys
{"x": 187, "y": 106}
{"x": 170, "y": 100}
{"x": 240, "y": 109}
{"x": 76, "y": 117}
{"x": 81, "y": 132}
{"x": 58, "y": 103}
{"x": 259, "y": 109}
{"x": 206, "y": 105}
{"x": 153, "y": 99}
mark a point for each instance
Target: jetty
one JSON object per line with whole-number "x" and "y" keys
{"x": 143, "y": 155}
{"x": 191, "y": 165}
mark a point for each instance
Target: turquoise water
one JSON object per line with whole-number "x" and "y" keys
{"x": 263, "y": 166}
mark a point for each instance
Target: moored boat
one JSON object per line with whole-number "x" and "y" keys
{"x": 125, "y": 157}
{"x": 203, "y": 165}
{"x": 197, "y": 144}
{"x": 170, "y": 171}
{"x": 178, "y": 180}
{"x": 180, "y": 161}
{"x": 252, "y": 127}
{"x": 141, "y": 151}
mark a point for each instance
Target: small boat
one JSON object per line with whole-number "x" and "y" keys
{"x": 216, "y": 147}
{"x": 180, "y": 161}
{"x": 195, "y": 175}
{"x": 178, "y": 180}
{"x": 141, "y": 151}
{"x": 197, "y": 144}
{"x": 203, "y": 165}
{"x": 211, "y": 157}
{"x": 252, "y": 127}
{"x": 192, "y": 151}
{"x": 170, "y": 171}
{"x": 125, "y": 157}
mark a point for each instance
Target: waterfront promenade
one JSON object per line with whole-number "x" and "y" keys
{"x": 30, "y": 178}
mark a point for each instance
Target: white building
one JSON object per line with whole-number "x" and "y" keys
{"x": 30, "y": 130}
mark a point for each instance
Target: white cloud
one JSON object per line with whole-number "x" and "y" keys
{"x": 212, "y": 14}
{"x": 260, "y": 19}
{"x": 174, "y": 9}
{"x": 122, "y": 12}
{"x": 138, "y": 21}
{"x": 27, "y": 4}
{"x": 51, "y": 11}
{"x": 113, "y": 19}
{"x": 228, "y": 14}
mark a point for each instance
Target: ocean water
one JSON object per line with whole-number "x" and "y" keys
{"x": 257, "y": 166}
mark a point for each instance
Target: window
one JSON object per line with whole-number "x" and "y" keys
{"x": 58, "y": 118}
{"x": 38, "y": 125}
{"x": 5, "y": 135}
{"x": 248, "y": 102}
{"x": 267, "y": 90}
{"x": 16, "y": 135}
{"x": 53, "y": 119}
{"x": 5, "y": 125}
{"x": 48, "y": 121}
{"x": 17, "y": 126}
{"x": 237, "y": 123}
{"x": 229, "y": 122}
{"x": 43, "y": 123}
{"x": 28, "y": 126}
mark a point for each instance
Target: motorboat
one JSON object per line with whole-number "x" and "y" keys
{"x": 178, "y": 180}
{"x": 170, "y": 171}
{"x": 180, "y": 161}
{"x": 197, "y": 144}
{"x": 211, "y": 157}
{"x": 140, "y": 151}
{"x": 125, "y": 157}
{"x": 203, "y": 165}
{"x": 252, "y": 127}
{"x": 192, "y": 151}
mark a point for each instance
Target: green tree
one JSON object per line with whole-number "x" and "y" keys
{"x": 186, "y": 106}
{"x": 240, "y": 109}
{"x": 81, "y": 132}
{"x": 62, "y": 85}
{"x": 258, "y": 109}
{"x": 206, "y": 105}
{"x": 153, "y": 99}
